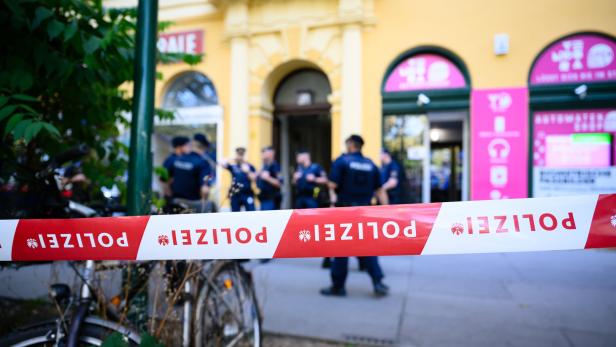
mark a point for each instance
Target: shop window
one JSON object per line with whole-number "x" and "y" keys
{"x": 191, "y": 89}
{"x": 573, "y": 117}
{"x": 425, "y": 123}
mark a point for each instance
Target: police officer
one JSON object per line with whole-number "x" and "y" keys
{"x": 205, "y": 149}
{"x": 307, "y": 177}
{"x": 242, "y": 175}
{"x": 181, "y": 146}
{"x": 390, "y": 176}
{"x": 269, "y": 181}
{"x": 353, "y": 181}
{"x": 190, "y": 180}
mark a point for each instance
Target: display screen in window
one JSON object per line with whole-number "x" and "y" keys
{"x": 574, "y": 138}
{"x": 578, "y": 150}
{"x": 574, "y": 152}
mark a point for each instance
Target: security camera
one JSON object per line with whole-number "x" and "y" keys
{"x": 581, "y": 91}
{"x": 422, "y": 99}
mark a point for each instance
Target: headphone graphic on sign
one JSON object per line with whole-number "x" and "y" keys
{"x": 499, "y": 148}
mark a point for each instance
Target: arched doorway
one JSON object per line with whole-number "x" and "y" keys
{"x": 193, "y": 98}
{"x": 426, "y": 123}
{"x": 302, "y": 120}
{"x": 572, "y": 85}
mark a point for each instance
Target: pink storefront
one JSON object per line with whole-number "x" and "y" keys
{"x": 555, "y": 136}
{"x": 426, "y": 123}
{"x": 572, "y": 120}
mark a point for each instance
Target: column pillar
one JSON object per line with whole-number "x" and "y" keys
{"x": 236, "y": 27}
{"x": 351, "y": 86}
{"x": 238, "y": 108}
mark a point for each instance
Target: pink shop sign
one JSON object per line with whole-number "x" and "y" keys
{"x": 499, "y": 143}
{"x": 552, "y": 136}
{"x": 424, "y": 71}
{"x": 582, "y": 58}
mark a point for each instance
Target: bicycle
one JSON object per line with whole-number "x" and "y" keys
{"x": 225, "y": 307}
{"x": 225, "y": 310}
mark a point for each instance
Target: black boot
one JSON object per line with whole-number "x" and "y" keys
{"x": 380, "y": 289}
{"x": 333, "y": 291}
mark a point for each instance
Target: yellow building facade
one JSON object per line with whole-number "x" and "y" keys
{"x": 253, "y": 50}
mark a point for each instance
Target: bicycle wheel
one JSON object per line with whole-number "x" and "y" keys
{"x": 227, "y": 313}
{"x": 44, "y": 335}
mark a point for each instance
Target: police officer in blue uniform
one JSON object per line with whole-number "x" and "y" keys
{"x": 203, "y": 147}
{"x": 242, "y": 176}
{"x": 181, "y": 146}
{"x": 269, "y": 181}
{"x": 307, "y": 178}
{"x": 390, "y": 176}
{"x": 190, "y": 176}
{"x": 353, "y": 181}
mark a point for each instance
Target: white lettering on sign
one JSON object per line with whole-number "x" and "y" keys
{"x": 78, "y": 240}
{"x": 189, "y": 237}
{"x": 190, "y": 42}
{"x": 359, "y": 231}
{"x": 515, "y": 223}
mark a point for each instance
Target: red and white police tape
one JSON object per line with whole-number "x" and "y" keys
{"x": 517, "y": 225}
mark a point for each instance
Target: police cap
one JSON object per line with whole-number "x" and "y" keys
{"x": 179, "y": 141}
{"x": 356, "y": 139}
{"x": 202, "y": 139}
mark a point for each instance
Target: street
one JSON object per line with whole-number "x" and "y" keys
{"x": 517, "y": 299}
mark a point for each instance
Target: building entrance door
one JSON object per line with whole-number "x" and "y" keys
{"x": 302, "y": 122}
{"x": 432, "y": 149}
{"x": 311, "y": 133}
{"x": 446, "y": 161}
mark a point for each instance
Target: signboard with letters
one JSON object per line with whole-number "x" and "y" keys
{"x": 424, "y": 71}
{"x": 573, "y": 181}
{"x": 499, "y": 133}
{"x": 189, "y": 42}
{"x": 580, "y": 58}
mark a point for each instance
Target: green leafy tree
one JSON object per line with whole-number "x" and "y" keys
{"x": 65, "y": 69}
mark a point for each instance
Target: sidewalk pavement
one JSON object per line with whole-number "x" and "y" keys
{"x": 516, "y": 299}
{"x": 565, "y": 298}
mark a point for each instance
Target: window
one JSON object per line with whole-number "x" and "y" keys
{"x": 191, "y": 89}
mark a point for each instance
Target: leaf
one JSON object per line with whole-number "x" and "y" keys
{"x": 70, "y": 30}
{"x": 39, "y": 52}
{"x": 192, "y": 59}
{"x": 14, "y": 7}
{"x": 54, "y": 28}
{"x": 20, "y": 128}
{"x": 28, "y": 108}
{"x": 148, "y": 340}
{"x": 12, "y": 123}
{"x": 32, "y": 130}
{"x": 24, "y": 97}
{"x": 3, "y": 100}
{"x": 164, "y": 25}
{"x": 162, "y": 173}
{"x": 92, "y": 44}
{"x": 21, "y": 79}
{"x": 6, "y": 111}
{"x": 40, "y": 15}
{"x": 52, "y": 130}
{"x": 114, "y": 340}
